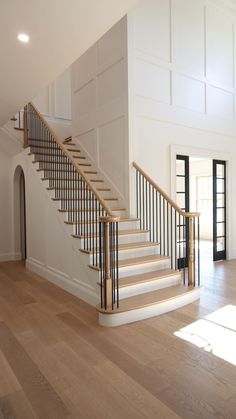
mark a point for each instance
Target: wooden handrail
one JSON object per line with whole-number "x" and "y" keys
{"x": 165, "y": 196}
{"x": 63, "y": 148}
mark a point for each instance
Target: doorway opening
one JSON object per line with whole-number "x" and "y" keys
{"x": 201, "y": 187}
{"x": 20, "y": 214}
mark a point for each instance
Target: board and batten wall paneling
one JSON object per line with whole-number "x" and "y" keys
{"x": 62, "y": 95}
{"x": 54, "y": 101}
{"x": 187, "y": 35}
{"x": 181, "y": 56}
{"x": 100, "y": 107}
{"x": 182, "y": 60}
{"x": 219, "y": 47}
{"x": 152, "y": 22}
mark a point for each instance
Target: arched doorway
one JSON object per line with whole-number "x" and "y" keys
{"x": 20, "y": 214}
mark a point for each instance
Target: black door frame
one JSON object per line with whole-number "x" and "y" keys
{"x": 183, "y": 262}
{"x": 219, "y": 254}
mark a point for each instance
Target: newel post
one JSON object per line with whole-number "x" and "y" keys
{"x": 108, "y": 261}
{"x": 25, "y": 126}
{"x": 191, "y": 262}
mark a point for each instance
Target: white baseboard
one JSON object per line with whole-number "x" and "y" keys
{"x": 62, "y": 280}
{"x": 7, "y": 257}
{"x": 232, "y": 254}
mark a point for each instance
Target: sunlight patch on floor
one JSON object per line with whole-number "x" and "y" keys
{"x": 216, "y": 333}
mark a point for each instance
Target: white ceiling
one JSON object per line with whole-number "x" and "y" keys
{"x": 60, "y": 31}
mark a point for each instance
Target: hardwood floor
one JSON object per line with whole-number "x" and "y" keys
{"x": 56, "y": 362}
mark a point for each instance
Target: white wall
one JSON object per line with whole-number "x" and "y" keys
{"x": 51, "y": 250}
{"x": 6, "y": 230}
{"x": 54, "y": 102}
{"x": 181, "y": 88}
{"x": 100, "y": 106}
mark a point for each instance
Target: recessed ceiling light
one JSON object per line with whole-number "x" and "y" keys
{"x": 23, "y": 37}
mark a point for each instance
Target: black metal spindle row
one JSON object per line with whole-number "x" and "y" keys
{"x": 76, "y": 198}
{"x": 167, "y": 226}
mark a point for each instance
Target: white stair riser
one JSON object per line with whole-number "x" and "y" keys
{"x": 81, "y": 204}
{"x": 117, "y": 319}
{"x": 127, "y": 239}
{"x": 86, "y": 215}
{"x": 142, "y": 268}
{"x": 135, "y": 253}
{"x": 152, "y": 285}
{"x": 126, "y": 225}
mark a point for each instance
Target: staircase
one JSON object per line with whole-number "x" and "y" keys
{"x": 145, "y": 265}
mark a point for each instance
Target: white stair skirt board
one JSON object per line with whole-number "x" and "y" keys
{"x": 131, "y": 316}
{"x": 72, "y": 285}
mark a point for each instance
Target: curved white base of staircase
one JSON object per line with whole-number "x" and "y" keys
{"x": 118, "y": 319}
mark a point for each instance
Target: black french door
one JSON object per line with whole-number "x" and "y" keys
{"x": 182, "y": 182}
{"x": 182, "y": 197}
{"x": 219, "y": 210}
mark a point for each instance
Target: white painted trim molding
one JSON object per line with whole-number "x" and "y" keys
{"x": 73, "y": 286}
{"x": 7, "y": 257}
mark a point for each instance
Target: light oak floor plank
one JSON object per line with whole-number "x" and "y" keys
{"x": 57, "y": 362}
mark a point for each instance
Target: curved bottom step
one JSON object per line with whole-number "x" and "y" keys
{"x": 148, "y": 305}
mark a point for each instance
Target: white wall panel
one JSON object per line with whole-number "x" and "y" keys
{"x": 152, "y": 28}
{"x": 200, "y": 111}
{"x": 112, "y": 149}
{"x": 85, "y": 99}
{"x": 111, "y": 83}
{"x": 62, "y": 97}
{"x": 84, "y": 69}
{"x": 42, "y": 101}
{"x": 220, "y": 103}
{"x": 188, "y": 93}
{"x": 152, "y": 81}
{"x": 113, "y": 43}
{"x": 219, "y": 47}
{"x": 188, "y": 35}
{"x": 88, "y": 140}
{"x": 100, "y": 107}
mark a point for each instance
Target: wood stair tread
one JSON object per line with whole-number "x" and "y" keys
{"x": 79, "y": 199}
{"x": 126, "y": 246}
{"x": 137, "y": 261}
{"x": 49, "y": 162}
{"x": 149, "y": 299}
{"x": 74, "y": 150}
{"x": 64, "y": 179}
{"x": 120, "y": 233}
{"x": 65, "y": 189}
{"x": 142, "y": 260}
{"x": 137, "y": 245}
{"x": 90, "y": 172}
{"x": 147, "y": 277}
{"x": 121, "y": 220}
{"x": 41, "y": 146}
{"x": 88, "y": 210}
